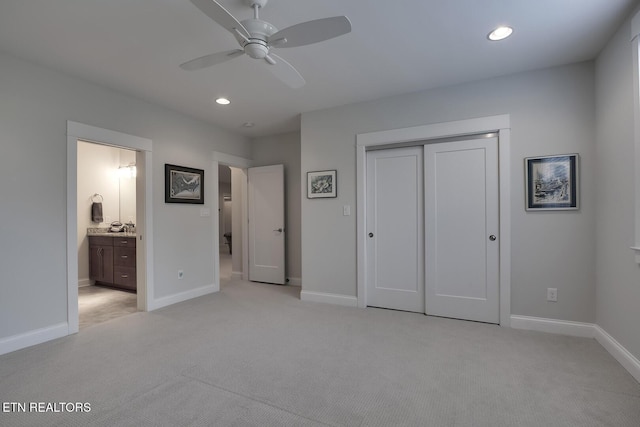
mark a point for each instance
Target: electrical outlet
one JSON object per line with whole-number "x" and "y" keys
{"x": 180, "y": 274}
{"x": 552, "y": 294}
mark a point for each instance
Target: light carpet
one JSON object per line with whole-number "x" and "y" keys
{"x": 255, "y": 355}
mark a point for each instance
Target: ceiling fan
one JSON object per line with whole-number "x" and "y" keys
{"x": 256, "y": 38}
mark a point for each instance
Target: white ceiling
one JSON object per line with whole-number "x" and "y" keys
{"x": 400, "y": 46}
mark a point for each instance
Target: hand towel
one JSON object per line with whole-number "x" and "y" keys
{"x": 96, "y": 212}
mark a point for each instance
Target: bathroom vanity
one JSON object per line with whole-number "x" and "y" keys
{"x": 112, "y": 259}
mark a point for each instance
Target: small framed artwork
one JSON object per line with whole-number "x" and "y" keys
{"x": 552, "y": 182}
{"x": 183, "y": 185}
{"x": 321, "y": 184}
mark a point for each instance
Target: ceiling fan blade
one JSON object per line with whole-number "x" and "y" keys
{"x": 284, "y": 71}
{"x": 311, "y": 32}
{"x": 219, "y": 14}
{"x": 209, "y": 60}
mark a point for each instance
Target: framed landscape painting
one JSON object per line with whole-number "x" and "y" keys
{"x": 552, "y": 182}
{"x": 183, "y": 185}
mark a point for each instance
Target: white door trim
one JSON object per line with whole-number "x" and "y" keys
{"x": 218, "y": 159}
{"x": 501, "y": 125}
{"x": 78, "y": 131}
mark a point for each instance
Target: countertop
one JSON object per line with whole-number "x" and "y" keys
{"x": 104, "y": 232}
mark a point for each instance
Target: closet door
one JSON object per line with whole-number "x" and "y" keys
{"x": 461, "y": 229}
{"x": 395, "y": 231}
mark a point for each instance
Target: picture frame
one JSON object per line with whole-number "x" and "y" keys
{"x": 322, "y": 184}
{"x": 552, "y": 182}
{"x": 183, "y": 184}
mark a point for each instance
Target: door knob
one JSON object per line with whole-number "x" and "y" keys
{"x": 370, "y": 234}
{"x": 279, "y": 230}
{"x": 492, "y": 237}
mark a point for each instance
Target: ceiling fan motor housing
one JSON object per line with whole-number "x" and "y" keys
{"x": 260, "y": 31}
{"x": 259, "y": 3}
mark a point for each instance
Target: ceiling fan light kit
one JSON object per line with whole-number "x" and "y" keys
{"x": 257, "y": 37}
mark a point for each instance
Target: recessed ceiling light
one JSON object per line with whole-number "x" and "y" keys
{"x": 500, "y": 33}
{"x": 223, "y": 101}
{"x": 248, "y": 124}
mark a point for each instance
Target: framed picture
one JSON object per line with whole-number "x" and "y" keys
{"x": 552, "y": 182}
{"x": 321, "y": 184}
{"x": 183, "y": 185}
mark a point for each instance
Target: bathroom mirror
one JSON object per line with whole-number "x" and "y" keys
{"x": 127, "y": 186}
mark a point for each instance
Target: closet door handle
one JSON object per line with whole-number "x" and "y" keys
{"x": 124, "y": 256}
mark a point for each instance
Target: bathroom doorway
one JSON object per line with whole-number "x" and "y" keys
{"x": 106, "y": 194}
{"x": 140, "y": 260}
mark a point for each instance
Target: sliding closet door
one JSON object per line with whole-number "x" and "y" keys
{"x": 461, "y": 229}
{"x": 395, "y": 231}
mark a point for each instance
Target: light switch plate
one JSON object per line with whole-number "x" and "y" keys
{"x": 205, "y": 212}
{"x": 346, "y": 210}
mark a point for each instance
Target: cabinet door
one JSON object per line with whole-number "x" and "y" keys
{"x": 101, "y": 263}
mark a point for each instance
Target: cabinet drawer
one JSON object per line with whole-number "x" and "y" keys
{"x": 100, "y": 241}
{"x": 125, "y": 277}
{"x": 124, "y": 257}
{"x": 125, "y": 242}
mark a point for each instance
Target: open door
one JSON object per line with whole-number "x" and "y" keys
{"x": 266, "y": 224}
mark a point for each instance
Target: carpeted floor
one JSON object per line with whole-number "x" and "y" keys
{"x": 97, "y": 304}
{"x": 255, "y": 355}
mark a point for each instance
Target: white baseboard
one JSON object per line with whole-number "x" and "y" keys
{"x": 236, "y": 275}
{"x": 182, "y": 296}
{"x": 295, "y": 281}
{"x": 621, "y": 354}
{"x": 578, "y": 329}
{"x": 329, "y": 298}
{"x": 37, "y": 336}
{"x": 84, "y": 282}
{"x": 554, "y": 326}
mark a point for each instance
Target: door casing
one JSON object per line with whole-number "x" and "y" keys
{"x": 144, "y": 212}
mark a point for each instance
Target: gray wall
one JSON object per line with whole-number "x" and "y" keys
{"x": 285, "y": 149}
{"x": 618, "y": 276}
{"x": 35, "y": 104}
{"x": 552, "y": 112}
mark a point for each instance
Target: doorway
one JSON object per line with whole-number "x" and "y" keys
{"x": 238, "y": 253}
{"x": 76, "y": 133}
{"x": 226, "y": 221}
{"x": 390, "y": 139}
{"x": 106, "y": 195}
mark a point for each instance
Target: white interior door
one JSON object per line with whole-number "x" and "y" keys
{"x": 266, "y": 224}
{"x": 395, "y": 242}
{"x": 461, "y": 221}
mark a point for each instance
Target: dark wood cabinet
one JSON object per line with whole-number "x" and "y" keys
{"x": 112, "y": 261}
{"x": 101, "y": 263}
